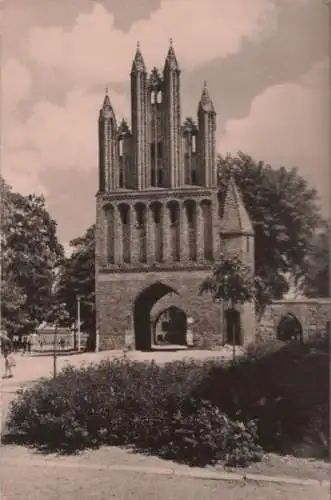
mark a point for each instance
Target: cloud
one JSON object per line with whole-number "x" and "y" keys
{"x": 16, "y": 85}
{"x": 289, "y": 125}
{"x": 95, "y": 51}
{"x": 55, "y": 137}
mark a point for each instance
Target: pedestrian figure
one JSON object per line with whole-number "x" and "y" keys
{"x": 28, "y": 343}
{"x": 62, "y": 343}
{"x": 9, "y": 360}
{"x": 24, "y": 343}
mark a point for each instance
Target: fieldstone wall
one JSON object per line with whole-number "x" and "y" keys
{"x": 313, "y": 314}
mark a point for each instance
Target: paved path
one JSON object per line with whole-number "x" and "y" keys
{"x": 28, "y": 482}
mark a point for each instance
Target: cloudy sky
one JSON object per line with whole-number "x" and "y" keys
{"x": 266, "y": 63}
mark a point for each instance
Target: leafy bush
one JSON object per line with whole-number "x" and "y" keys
{"x": 132, "y": 403}
{"x": 286, "y": 391}
{"x": 193, "y": 412}
{"x": 257, "y": 350}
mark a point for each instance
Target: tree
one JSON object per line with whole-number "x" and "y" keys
{"x": 316, "y": 282}
{"x": 30, "y": 256}
{"x": 76, "y": 278}
{"x": 230, "y": 281}
{"x": 285, "y": 213}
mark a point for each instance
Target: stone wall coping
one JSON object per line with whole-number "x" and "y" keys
{"x": 322, "y": 300}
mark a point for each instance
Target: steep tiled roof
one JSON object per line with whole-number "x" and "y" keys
{"x": 235, "y": 217}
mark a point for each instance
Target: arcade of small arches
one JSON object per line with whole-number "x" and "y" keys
{"x": 159, "y": 232}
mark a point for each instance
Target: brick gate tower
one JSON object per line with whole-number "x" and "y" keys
{"x": 158, "y": 224}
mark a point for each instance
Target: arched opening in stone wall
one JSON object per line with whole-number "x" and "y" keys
{"x": 170, "y": 327}
{"x": 174, "y": 218}
{"x": 207, "y": 229}
{"x": 191, "y": 219}
{"x": 289, "y": 329}
{"x": 124, "y": 210}
{"x": 233, "y": 327}
{"x": 156, "y": 208}
{"x": 110, "y": 233}
{"x": 142, "y": 313}
{"x": 140, "y": 209}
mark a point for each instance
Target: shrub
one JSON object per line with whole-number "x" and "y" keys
{"x": 131, "y": 403}
{"x": 198, "y": 413}
{"x": 257, "y": 350}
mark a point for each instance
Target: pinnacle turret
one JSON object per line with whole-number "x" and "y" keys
{"x": 138, "y": 64}
{"x": 107, "y": 109}
{"x": 171, "y": 63}
{"x": 206, "y": 104}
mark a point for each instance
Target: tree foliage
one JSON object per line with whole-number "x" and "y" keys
{"x": 316, "y": 282}
{"x": 30, "y": 255}
{"x": 230, "y": 281}
{"x": 285, "y": 213}
{"x": 77, "y": 278}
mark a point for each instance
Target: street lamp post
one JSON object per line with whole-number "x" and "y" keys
{"x": 78, "y": 322}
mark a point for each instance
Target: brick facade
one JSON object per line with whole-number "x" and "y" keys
{"x": 312, "y": 314}
{"x": 158, "y": 224}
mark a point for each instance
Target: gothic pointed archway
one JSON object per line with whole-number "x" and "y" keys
{"x": 142, "y": 313}
{"x": 170, "y": 327}
{"x": 289, "y": 328}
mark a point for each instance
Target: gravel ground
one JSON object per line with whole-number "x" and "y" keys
{"x": 39, "y": 483}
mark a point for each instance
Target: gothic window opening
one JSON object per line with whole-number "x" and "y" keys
{"x": 191, "y": 219}
{"x": 159, "y": 97}
{"x": 121, "y": 179}
{"x": 160, "y": 177}
{"x": 173, "y": 215}
{"x": 194, "y": 177}
{"x": 125, "y": 215}
{"x": 156, "y": 209}
{"x": 141, "y": 231}
{"x": 190, "y": 215}
{"x": 140, "y": 217}
{"x": 110, "y": 233}
{"x": 157, "y": 214}
{"x": 247, "y": 244}
{"x": 125, "y": 220}
{"x": 153, "y": 177}
{"x": 153, "y": 97}
{"x": 207, "y": 230}
{"x": 153, "y": 150}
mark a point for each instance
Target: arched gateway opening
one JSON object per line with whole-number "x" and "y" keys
{"x": 142, "y": 313}
{"x": 289, "y": 328}
{"x": 170, "y": 327}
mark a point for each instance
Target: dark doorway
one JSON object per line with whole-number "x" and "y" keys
{"x": 170, "y": 327}
{"x": 233, "y": 334}
{"x": 289, "y": 328}
{"x": 141, "y": 313}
